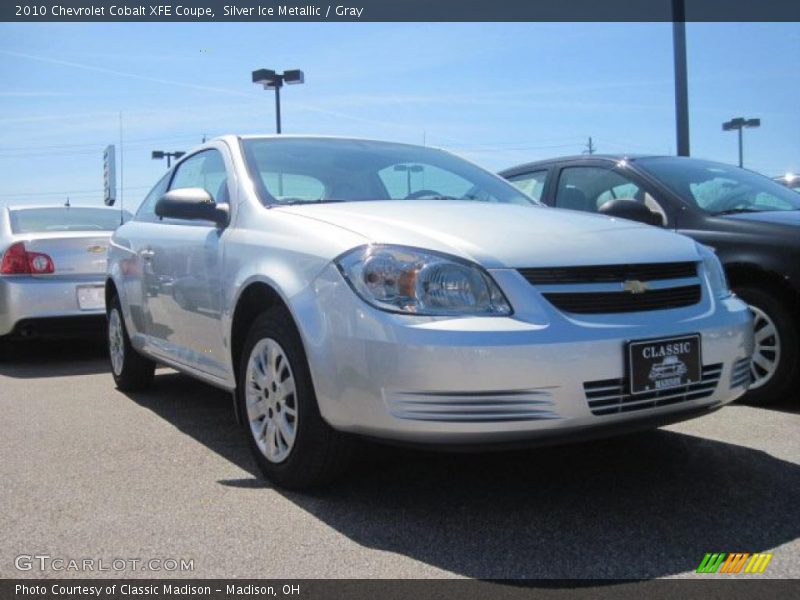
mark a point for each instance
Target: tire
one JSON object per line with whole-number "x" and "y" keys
{"x": 291, "y": 443}
{"x": 776, "y": 383}
{"x": 132, "y": 372}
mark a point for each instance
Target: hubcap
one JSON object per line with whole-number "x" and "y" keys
{"x": 271, "y": 400}
{"x": 116, "y": 347}
{"x": 766, "y": 350}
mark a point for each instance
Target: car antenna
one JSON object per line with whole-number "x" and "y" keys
{"x": 67, "y": 204}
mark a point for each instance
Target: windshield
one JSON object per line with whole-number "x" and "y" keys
{"x": 305, "y": 171}
{"x": 30, "y": 220}
{"x": 720, "y": 189}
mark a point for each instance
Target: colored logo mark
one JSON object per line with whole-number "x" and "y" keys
{"x": 735, "y": 562}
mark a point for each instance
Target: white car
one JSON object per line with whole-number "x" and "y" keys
{"x": 343, "y": 288}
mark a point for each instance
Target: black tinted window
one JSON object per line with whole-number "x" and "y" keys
{"x": 35, "y": 220}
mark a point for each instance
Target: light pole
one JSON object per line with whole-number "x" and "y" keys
{"x": 271, "y": 80}
{"x": 681, "y": 79}
{"x": 161, "y": 155}
{"x": 738, "y": 124}
{"x": 408, "y": 169}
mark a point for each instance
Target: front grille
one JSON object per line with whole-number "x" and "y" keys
{"x": 610, "y": 273}
{"x": 617, "y": 302}
{"x": 471, "y": 406}
{"x": 740, "y": 375}
{"x": 612, "y": 396}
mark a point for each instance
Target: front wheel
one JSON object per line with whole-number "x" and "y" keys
{"x": 132, "y": 371}
{"x": 774, "y": 370}
{"x": 291, "y": 443}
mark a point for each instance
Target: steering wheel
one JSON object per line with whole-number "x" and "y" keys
{"x": 421, "y": 194}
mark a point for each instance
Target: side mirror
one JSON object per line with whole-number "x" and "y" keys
{"x": 627, "y": 208}
{"x": 194, "y": 204}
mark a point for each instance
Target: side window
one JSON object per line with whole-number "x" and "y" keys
{"x": 531, "y": 183}
{"x": 205, "y": 170}
{"x": 147, "y": 209}
{"x": 589, "y": 188}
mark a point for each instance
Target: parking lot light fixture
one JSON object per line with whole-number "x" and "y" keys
{"x": 271, "y": 80}
{"x": 161, "y": 155}
{"x": 738, "y": 124}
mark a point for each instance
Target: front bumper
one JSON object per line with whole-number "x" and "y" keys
{"x": 42, "y": 300}
{"x": 498, "y": 379}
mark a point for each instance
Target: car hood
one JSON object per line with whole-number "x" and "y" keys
{"x": 780, "y": 217}
{"x": 503, "y": 235}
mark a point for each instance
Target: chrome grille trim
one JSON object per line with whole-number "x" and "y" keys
{"x": 740, "y": 374}
{"x": 611, "y": 396}
{"x": 616, "y": 302}
{"x": 610, "y": 273}
{"x": 472, "y": 406}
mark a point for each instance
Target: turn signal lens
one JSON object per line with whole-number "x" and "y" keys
{"x": 18, "y": 261}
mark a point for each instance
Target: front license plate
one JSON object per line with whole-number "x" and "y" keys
{"x": 91, "y": 297}
{"x": 661, "y": 364}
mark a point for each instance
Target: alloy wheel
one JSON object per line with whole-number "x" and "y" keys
{"x": 116, "y": 344}
{"x": 271, "y": 400}
{"x": 766, "y": 350}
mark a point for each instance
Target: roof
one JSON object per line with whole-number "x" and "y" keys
{"x": 601, "y": 157}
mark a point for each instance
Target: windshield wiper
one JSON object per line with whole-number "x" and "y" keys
{"x": 298, "y": 202}
{"x": 733, "y": 211}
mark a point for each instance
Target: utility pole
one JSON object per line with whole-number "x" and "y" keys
{"x": 590, "y": 147}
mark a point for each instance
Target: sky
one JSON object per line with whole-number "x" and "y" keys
{"x": 499, "y": 94}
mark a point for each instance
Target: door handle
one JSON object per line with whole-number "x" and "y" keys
{"x": 147, "y": 254}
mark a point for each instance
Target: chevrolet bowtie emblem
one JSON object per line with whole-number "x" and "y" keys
{"x": 634, "y": 286}
{"x": 96, "y": 249}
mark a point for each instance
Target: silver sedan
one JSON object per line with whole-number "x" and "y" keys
{"x": 344, "y": 287}
{"x": 52, "y": 266}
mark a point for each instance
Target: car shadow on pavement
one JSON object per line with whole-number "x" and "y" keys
{"x": 640, "y": 506}
{"x": 32, "y": 359}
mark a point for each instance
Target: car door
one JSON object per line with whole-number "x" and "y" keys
{"x": 185, "y": 259}
{"x": 137, "y": 279}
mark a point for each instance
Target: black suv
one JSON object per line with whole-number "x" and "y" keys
{"x": 751, "y": 221}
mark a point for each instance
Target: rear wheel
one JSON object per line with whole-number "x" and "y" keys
{"x": 131, "y": 370}
{"x": 774, "y": 370}
{"x": 291, "y": 443}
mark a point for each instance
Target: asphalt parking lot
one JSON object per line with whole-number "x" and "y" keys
{"x": 89, "y": 472}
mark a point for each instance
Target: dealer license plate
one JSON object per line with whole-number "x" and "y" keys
{"x": 661, "y": 364}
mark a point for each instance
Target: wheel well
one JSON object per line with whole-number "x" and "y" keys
{"x": 255, "y": 299}
{"x": 740, "y": 274}
{"x": 111, "y": 291}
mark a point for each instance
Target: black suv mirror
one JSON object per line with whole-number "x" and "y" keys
{"x": 627, "y": 208}
{"x": 194, "y": 204}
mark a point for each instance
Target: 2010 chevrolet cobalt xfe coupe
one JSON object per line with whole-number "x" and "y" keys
{"x": 344, "y": 288}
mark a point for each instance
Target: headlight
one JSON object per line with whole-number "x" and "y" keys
{"x": 407, "y": 280}
{"x": 714, "y": 271}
